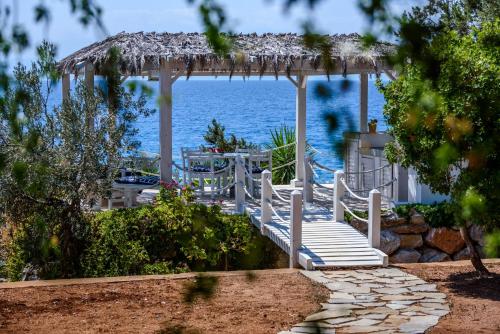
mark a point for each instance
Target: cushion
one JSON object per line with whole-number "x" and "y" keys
{"x": 141, "y": 180}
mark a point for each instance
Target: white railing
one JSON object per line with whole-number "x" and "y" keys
{"x": 374, "y": 201}
{"x": 311, "y": 186}
{"x": 295, "y": 220}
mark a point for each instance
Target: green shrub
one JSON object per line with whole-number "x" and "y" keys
{"x": 362, "y": 214}
{"x": 35, "y": 239}
{"x": 282, "y": 136}
{"x": 436, "y": 215}
{"x": 215, "y": 137}
{"x": 174, "y": 235}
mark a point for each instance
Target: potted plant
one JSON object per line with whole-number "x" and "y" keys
{"x": 372, "y": 126}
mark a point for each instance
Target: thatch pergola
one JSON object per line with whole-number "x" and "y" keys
{"x": 168, "y": 56}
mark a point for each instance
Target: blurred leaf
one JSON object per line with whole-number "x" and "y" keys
{"x": 492, "y": 244}
{"x": 19, "y": 171}
{"x": 203, "y": 286}
{"x": 473, "y": 204}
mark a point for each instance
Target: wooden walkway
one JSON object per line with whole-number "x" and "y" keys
{"x": 325, "y": 243}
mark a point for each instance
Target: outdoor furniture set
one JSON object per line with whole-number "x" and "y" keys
{"x": 211, "y": 172}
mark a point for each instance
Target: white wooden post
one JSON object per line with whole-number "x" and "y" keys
{"x": 308, "y": 181}
{"x": 338, "y": 194}
{"x": 295, "y": 227}
{"x": 300, "y": 130}
{"x": 363, "y": 103}
{"x": 89, "y": 77}
{"x": 239, "y": 191}
{"x": 65, "y": 87}
{"x": 266, "y": 194}
{"x": 374, "y": 204}
{"x": 166, "y": 82}
{"x": 401, "y": 186}
{"x": 89, "y": 84}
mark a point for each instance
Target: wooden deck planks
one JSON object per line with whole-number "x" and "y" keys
{"x": 325, "y": 243}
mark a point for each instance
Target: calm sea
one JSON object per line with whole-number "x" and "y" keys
{"x": 252, "y": 108}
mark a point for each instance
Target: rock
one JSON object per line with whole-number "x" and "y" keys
{"x": 405, "y": 255}
{"x": 392, "y": 220}
{"x": 476, "y": 233}
{"x": 433, "y": 255}
{"x": 328, "y": 314}
{"x": 464, "y": 254}
{"x": 411, "y": 240}
{"x": 30, "y": 273}
{"x": 445, "y": 239}
{"x": 410, "y": 228}
{"x": 389, "y": 242}
{"x": 419, "y": 324}
{"x": 359, "y": 225}
{"x": 417, "y": 218}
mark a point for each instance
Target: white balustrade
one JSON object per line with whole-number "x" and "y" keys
{"x": 374, "y": 204}
{"x": 338, "y": 194}
{"x": 295, "y": 227}
{"x": 374, "y": 208}
{"x": 266, "y": 193}
{"x": 308, "y": 181}
{"x": 239, "y": 193}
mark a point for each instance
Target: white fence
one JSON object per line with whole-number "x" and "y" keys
{"x": 294, "y": 221}
{"x": 374, "y": 201}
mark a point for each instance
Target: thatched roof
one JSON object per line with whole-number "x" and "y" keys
{"x": 141, "y": 54}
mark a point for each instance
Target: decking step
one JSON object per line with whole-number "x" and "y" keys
{"x": 316, "y": 264}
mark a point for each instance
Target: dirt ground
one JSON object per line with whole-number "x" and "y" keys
{"x": 267, "y": 303}
{"x": 475, "y": 302}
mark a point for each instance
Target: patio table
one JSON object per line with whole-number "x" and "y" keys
{"x": 130, "y": 192}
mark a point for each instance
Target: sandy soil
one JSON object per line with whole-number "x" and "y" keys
{"x": 267, "y": 303}
{"x": 475, "y": 302}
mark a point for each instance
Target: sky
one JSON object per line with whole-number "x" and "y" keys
{"x": 247, "y": 16}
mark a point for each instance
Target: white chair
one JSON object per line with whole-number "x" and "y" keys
{"x": 202, "y": 165}
{"x": 257, "y": 161}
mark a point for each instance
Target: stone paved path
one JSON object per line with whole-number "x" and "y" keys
{"x": 384, "y": 300}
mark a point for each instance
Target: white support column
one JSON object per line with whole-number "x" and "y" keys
{"x": 401, "y": 186}
{"x": 266, "y": 194}
{"x": 300, "y": 130}
{"x": 65, "y": 86}
{"x": 308, "y": 181}
{"x": 89, "y": 77}
{"x": 166, "y": 82}
{"x": 295, "y": 227}
{"x": 89, "y": 83}
{"x": 363, "y": 103}
{"x": 374, "y": 204}
{"x": 239, "y": 191}
{"x": 338, "y": 194}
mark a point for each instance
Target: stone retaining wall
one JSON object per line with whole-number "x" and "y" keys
{"x": 413, "y": 240}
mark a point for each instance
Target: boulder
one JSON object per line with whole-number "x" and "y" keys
{"x": 445, "y": 239}
{"x": 392, "y": 219}
{"x": 405, "y": 255}
{"x": 30, "y": 273}
{"x": 476, "y": 233}
{"x": 433, "y": 255}
{"x": 464, "y": 254}
{"x": 411, "y": 240}
{"x": 410, "y": 228}
{"x": 417, "y": 218}
{"x": 359, "y": 225}
{"x": 389, "y": 241}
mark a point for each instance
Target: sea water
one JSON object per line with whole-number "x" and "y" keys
{"x": 251, "y": 109}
